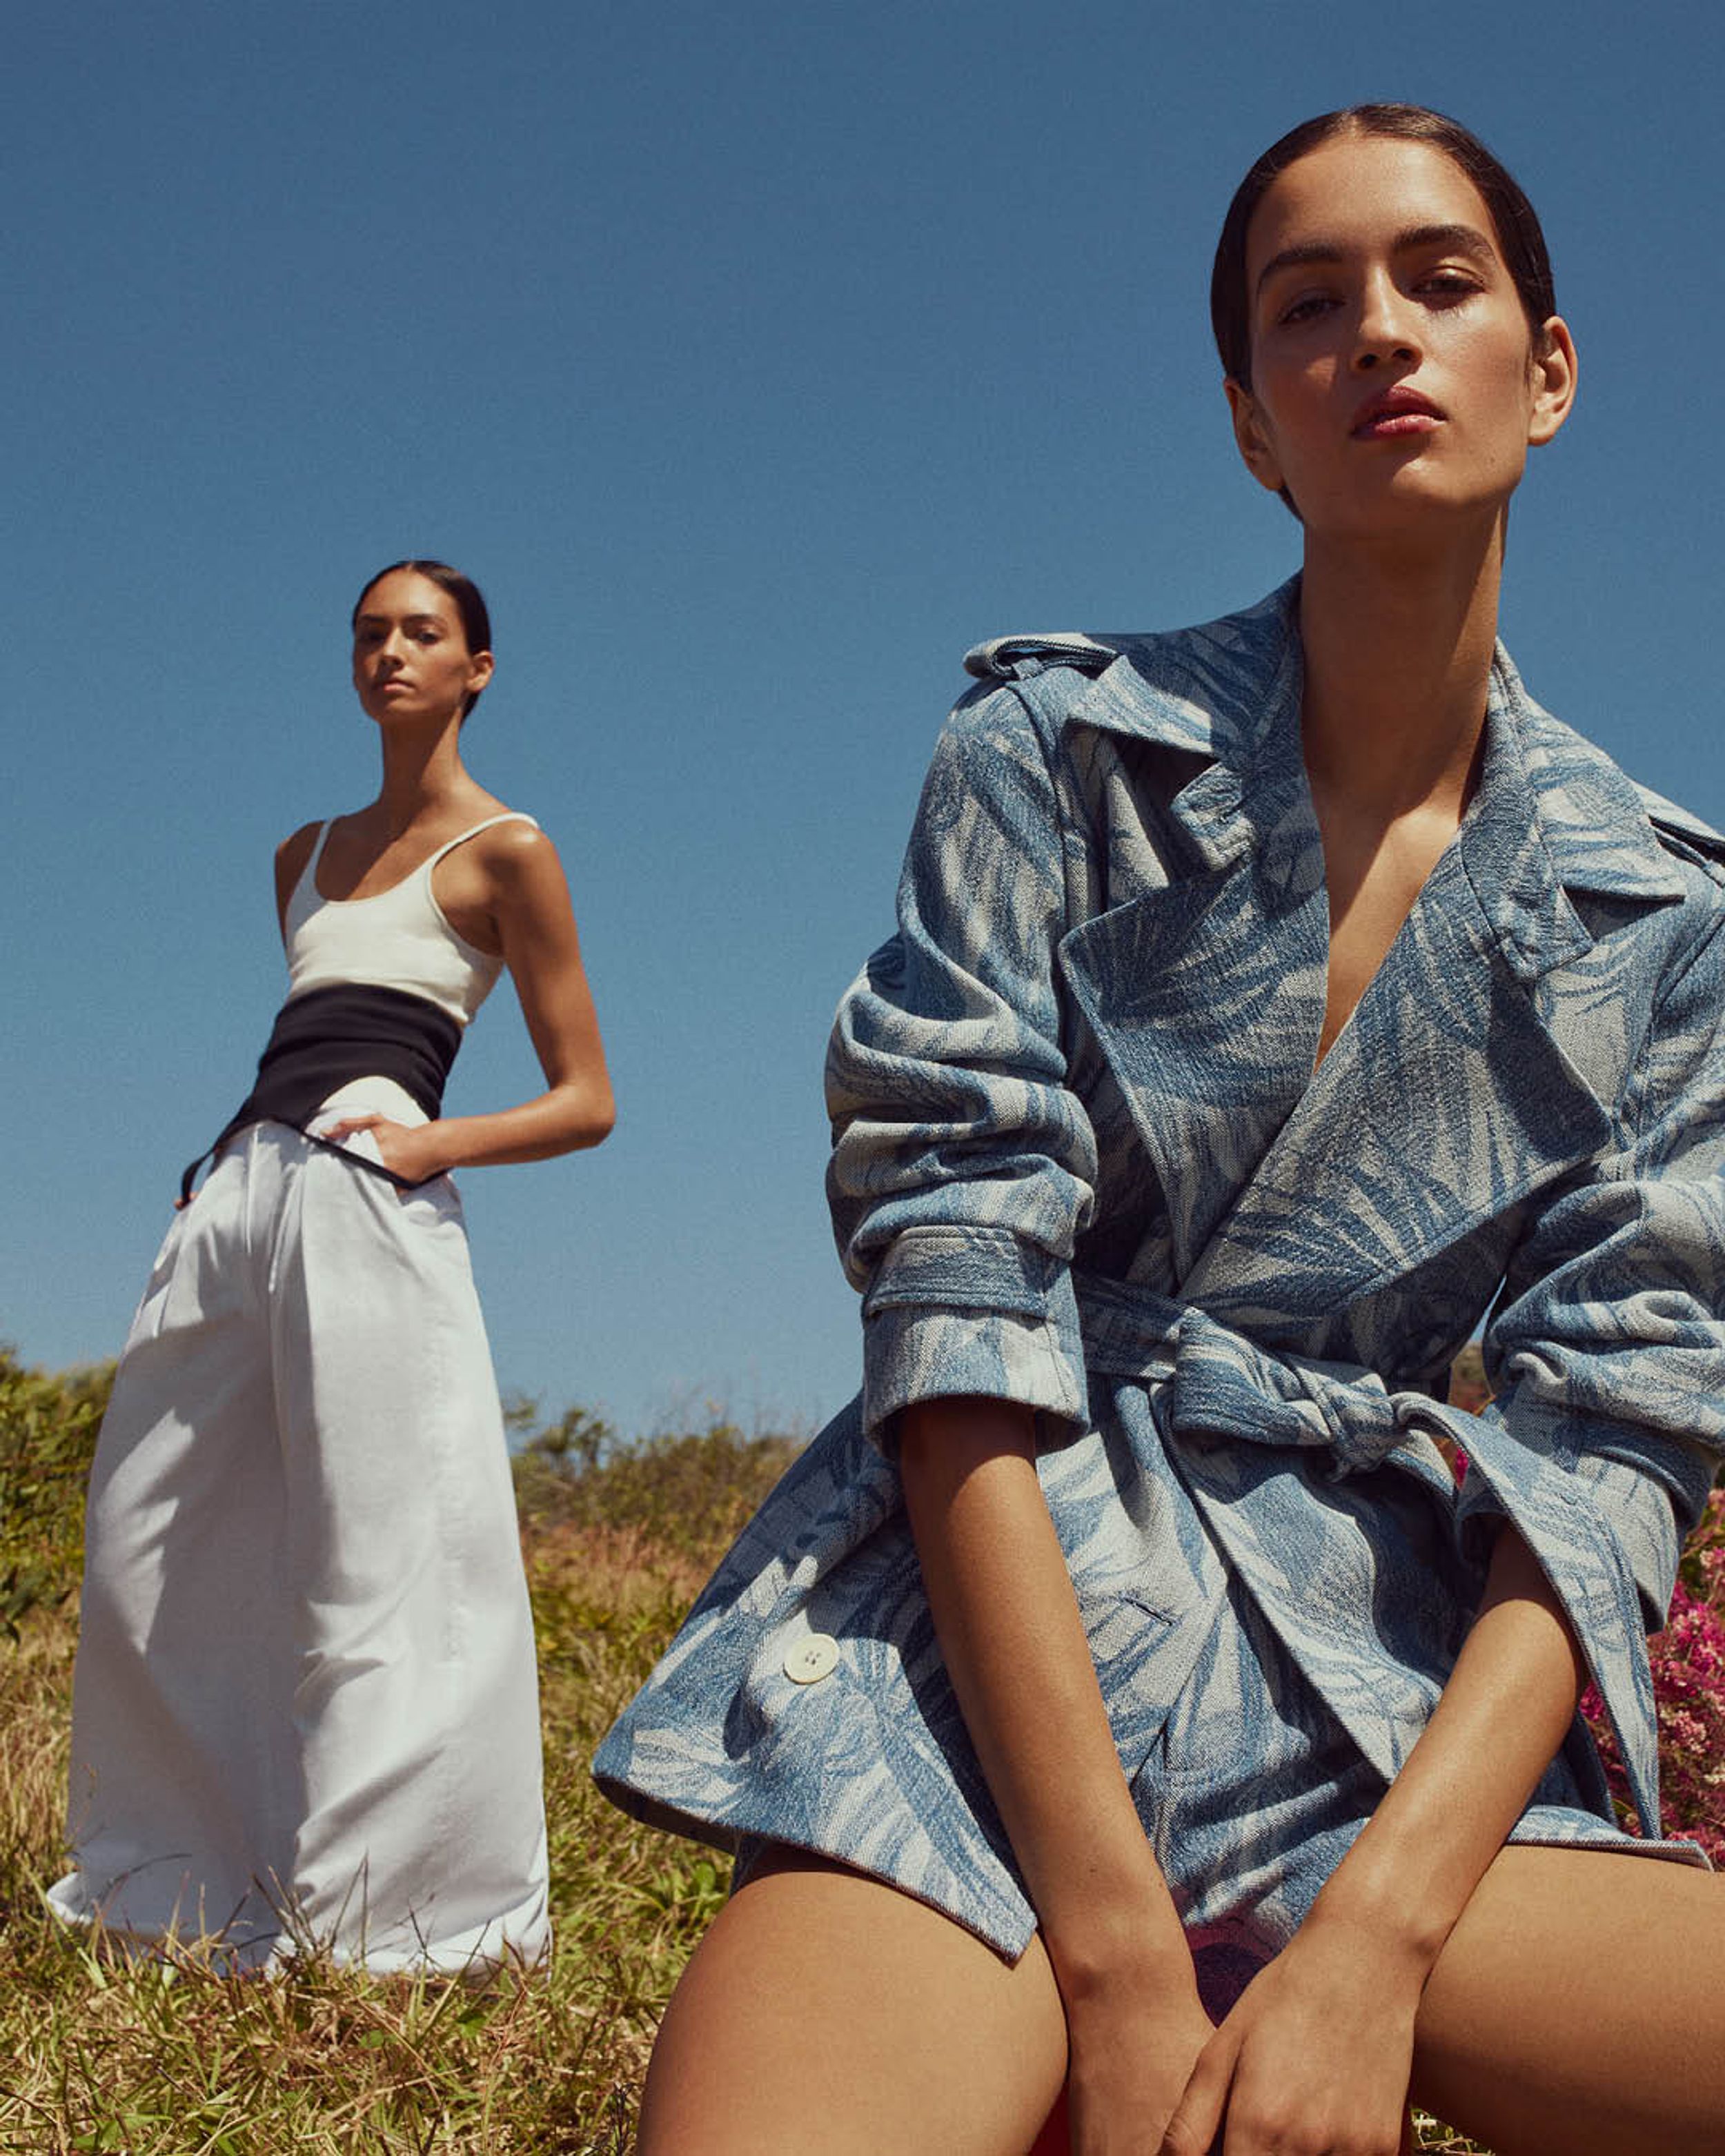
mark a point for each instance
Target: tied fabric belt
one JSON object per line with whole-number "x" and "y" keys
{"x": 1600, "y": 1523}
{"x": 1220, "y": 1382}
{"x": 329, "y": 1036}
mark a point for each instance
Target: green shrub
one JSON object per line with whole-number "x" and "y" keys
{"x": 691, "y": 1492}
{"x": 48, "y": 1434}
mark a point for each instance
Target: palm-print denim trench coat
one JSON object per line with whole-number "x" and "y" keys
{"x": 1083, "y": 1161}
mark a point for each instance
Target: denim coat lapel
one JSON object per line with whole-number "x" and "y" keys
{"x": 1487, "y": 1056}
{"x": 1207, "y": 995}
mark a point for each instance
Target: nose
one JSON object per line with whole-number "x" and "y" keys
{"x": 1387, "y": 332}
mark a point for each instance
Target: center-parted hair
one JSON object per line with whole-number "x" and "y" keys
{"x": 468, "y": 599}
{"x": 1519, "y": 238}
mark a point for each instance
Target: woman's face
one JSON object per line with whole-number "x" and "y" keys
{"x": 1394, "y": 369}
{"x": 410, "y": 655}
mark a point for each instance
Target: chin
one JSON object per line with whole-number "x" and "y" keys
{"x": 1411, "y": 506}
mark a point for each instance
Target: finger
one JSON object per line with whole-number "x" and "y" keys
{"x": 348, "y": 1125}
{"x": 1197, "y": 2121}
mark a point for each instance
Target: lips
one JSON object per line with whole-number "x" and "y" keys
{"x": 1393, "y": 412}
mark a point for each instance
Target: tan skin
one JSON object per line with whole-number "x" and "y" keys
{"x": 1404, "y": 553}
{"x": 1527, "y": 1995}
{"x": 503, "y": 890}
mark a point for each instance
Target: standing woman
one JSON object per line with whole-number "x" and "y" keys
{"x": 305, "y": 1708}
{"x": 1271, "y": 1003}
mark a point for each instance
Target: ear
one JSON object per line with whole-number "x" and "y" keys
{"x": 1252, "y": 438}
{"x": 1554, "y": 372}
{"x": 480, "y": 673}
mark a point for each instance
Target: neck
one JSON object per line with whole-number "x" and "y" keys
{"x": 422, "y": 772}
{"x": 1397, "y": 648}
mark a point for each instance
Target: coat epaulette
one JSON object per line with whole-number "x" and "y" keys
{"x": 1692, "y": 835}
{"x": 1011, "y": 658}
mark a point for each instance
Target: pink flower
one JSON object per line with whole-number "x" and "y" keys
{"x": 1688, "y": 1664}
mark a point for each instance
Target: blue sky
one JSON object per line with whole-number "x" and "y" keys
{"x": 757, "y": 361}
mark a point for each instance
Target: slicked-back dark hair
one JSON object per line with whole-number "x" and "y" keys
{"x": 1519, "y": 238}
{"x": 469, "y": 604}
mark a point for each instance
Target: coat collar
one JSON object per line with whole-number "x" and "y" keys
{"x": 1553, "y": 814}
{"x": 1207, "y": 993}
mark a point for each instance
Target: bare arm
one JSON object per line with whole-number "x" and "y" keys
{"x": 937, "y": 1117}
{"x": 1503, "y": 1714}
{"x": 1014, "y": 1647}
{"x": 1323, "y": 2038}
{"x": 536, "y": 927}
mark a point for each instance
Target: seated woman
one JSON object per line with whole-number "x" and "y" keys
{"x": 1270, "y": 1004}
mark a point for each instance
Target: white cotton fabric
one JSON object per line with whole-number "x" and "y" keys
{"x": 398, "y": 939}
{"x": 305, "y": 1710}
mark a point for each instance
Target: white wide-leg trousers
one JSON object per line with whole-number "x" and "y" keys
{"x": 305, "y": 1707}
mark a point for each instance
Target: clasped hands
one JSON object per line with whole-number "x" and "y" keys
{"x": 1314, "y": 2059}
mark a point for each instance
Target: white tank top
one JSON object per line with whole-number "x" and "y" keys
{"x": 398, "y": 939}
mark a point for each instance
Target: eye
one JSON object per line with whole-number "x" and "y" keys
{"x": 1308, "y": 307}
{"x": 1449, "y": 283}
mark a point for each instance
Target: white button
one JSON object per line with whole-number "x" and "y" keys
{"x": 813, "y": 1657}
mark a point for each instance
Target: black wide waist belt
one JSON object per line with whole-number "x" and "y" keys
{"x": 328, "y": 1037}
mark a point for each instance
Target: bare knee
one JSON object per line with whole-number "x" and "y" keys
{"x": 1551, "y": 2024}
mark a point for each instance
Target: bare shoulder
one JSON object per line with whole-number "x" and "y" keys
{"x": 291, "y": 856}
{"x": 517, "y": 856}
{"x": 300, "y": 841}
{"x": 527, "y": 892}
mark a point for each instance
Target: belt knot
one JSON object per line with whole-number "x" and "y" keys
{"x": 1219, "y": 1381}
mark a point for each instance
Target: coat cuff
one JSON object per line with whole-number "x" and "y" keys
{"x": 972, "y": 1311}
{"x": 1638, "y": 1508}
{"x": 1634, "y": 1506}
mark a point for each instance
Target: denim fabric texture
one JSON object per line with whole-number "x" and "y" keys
{"x": 1083, "y": 1161}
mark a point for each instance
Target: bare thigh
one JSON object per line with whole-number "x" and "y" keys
{"x": 1577, "y": 2010}
{"x": 825, "y": 2011}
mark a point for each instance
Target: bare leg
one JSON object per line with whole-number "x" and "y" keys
{"x": 1575, "y": 2010}
{"x": 824, "y": 2010}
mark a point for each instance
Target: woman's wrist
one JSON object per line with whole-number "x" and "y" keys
{"x": 1128, "y": 1939}
{"x": 565, "y": 1119}
{"x": 1166, "y": 1975}
{"x": 440, "y": 1152}
{"x": 1390, "y": 1915}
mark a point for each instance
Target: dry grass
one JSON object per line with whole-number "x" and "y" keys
{"x": 151, "y": 2061}
{"x": 166, "y": 2061}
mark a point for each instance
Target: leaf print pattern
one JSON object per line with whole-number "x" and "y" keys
{"x": 1082, "y": 1161}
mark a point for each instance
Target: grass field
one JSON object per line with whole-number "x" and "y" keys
{"x": 156, "y": 2061}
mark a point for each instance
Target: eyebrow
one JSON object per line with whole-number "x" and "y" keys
{"x": 409, "y": 620}
{"x": 1465, "y": 238}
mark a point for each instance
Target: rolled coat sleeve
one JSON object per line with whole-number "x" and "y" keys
{"x": 963, "y": 1165}
{"x": 1606, "y": 1353}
